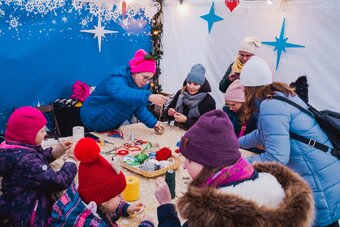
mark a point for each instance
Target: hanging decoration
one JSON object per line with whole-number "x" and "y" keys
{"x": 231, "y": 4}
{"x": 123, "y": 9}
{"x": 281, "y": 44}
{"x": 211, "y": 17}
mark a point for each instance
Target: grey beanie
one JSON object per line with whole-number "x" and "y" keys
{"x": 197, "y": 74}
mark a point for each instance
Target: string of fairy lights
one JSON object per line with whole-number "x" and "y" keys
{"x": 157, "y": 48}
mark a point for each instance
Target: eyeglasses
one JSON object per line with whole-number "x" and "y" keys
{"x": 146, "y": 79}
{"x": 231, "y": 105}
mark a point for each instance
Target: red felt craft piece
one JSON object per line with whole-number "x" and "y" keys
{"x": 122, "y": 152}
{"x": 163, "y": 154}
{"x": 177, "y": 151}
{"x": 134, "y": 148}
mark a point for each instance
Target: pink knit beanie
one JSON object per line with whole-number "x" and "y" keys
{"x": 24, "y": 124}
{"x": 139, "y": 64}
{"x": 235, "y": 92}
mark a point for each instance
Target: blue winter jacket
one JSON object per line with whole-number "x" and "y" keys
{"x": 321, "y": 170}
{"x": 116, "y": 99}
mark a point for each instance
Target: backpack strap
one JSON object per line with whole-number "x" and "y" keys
{"x": 309, "y": 142}
{"x": 281, "y": 98}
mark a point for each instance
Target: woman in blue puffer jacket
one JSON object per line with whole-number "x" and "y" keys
{"x": 121, "y": 95}
{"x": 275, "y": 120}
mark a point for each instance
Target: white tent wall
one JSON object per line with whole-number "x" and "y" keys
{"x": 311, "y": 23}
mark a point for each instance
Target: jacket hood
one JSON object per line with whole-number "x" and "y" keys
{"x": 212, "y": 207}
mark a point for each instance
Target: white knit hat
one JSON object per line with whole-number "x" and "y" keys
{"x": 256, "y": 72}
{"x": 249, "y": 44}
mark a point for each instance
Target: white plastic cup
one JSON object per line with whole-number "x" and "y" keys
{"x": 77, "y": 133}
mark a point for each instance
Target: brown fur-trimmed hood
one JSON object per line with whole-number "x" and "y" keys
{"x": 211, "y": 207}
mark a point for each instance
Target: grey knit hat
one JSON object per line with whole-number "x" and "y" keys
{"x": 197, "y": 74}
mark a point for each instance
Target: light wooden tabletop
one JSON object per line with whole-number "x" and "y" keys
{"x": 170, "y": 138}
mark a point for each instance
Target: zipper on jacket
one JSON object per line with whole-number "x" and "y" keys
{"x": 34, "y": 213}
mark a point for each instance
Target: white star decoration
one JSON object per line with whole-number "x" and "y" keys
{"x": 99, "y": 32}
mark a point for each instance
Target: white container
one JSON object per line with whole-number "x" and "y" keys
{"x": 77, "y": 133}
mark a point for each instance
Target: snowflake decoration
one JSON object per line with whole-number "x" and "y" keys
{"x": 18, "y": 2}
{"x": 85, "y": 21}
{"x": 94, "y": 9}
{"x": 29, "y": 6}
{"x": 14, "y": 22}
{"x": 2, "y": 13}
{"x": 64, "y": 19}
{"x": 42, "y": 9}
{"x": 7, "y": 2}
{"x": 58, "y": 3}
{"x": 77, "y": 5}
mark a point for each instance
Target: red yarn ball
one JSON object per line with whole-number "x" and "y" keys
{"x": 163, "y": 154}
{"x": 86, "y": 150}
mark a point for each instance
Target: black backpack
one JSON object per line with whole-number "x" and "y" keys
{"x": 329, "y": 122}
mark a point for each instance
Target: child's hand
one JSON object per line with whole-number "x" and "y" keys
{"x": 145, "y": 217}
{"x": 159, "y": 129}
{"x": 61, "y": 148}
{"x": 171, "y": 112}
{"x": 70, "y": 154}
{"x": 68, "y": 144}
{"x": 162, "y": 192}
{"x": 135, "y": 208}
{"x": 180, "y": 118}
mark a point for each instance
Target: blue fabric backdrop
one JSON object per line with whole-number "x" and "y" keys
{"x": 43, "y": 51}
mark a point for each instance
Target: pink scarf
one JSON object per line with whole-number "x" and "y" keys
{"x": 241, "y": 170}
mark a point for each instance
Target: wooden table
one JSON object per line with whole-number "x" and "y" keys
{"x": 147, "y": 185}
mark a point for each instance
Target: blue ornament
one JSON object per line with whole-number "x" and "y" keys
{"x": 281, "y": 44}
{"x": 211, "y": 17}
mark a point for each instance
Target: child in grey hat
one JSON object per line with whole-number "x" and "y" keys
{"x": 192, "y": 101}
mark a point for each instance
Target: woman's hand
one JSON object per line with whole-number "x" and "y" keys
{"x": 159, "y": 129}
{"x": 234, "y": 76}
{"x": 162, "y": 192}
{"x": 180, "y": 117}
{"x": 157, "y": 99}
{"x": 171, "y": 112}
{"x": 135, "y": 208}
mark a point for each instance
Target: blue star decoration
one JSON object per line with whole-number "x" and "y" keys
{"x": 281, "y": 44}
{"x": 211, "y": 17}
